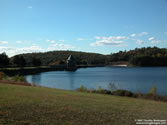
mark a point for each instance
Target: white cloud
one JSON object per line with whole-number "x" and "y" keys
{"x": 97, "y": 37}
{"x": 143, "y": 33}
{"x": 115, "y": 38}
{"x": 3, "y": 42}
{"x": 33, "y": 48}
{"x": 107, "y": 42}
{"x": 8, "y": 50}
{"x": 11, "y": 51}
{"x": 155, "y": 42}
{"x": 140, "y": 42}
{"x": 133, "y": 35}
{"x": 57, "y": 46}
{"x": 55, "y": 41}
{"x": 19, "y": 42}
{"x": 14, "y": 50}
{"x": 62, "y": 40}
{"x": 51, "y": 41}
{"x": 4, "y": 48}
{"x": 79, "y": 39}
{"x": 151, "y": 38}
{"x": 140, "y": 34}
{"x": 112, "y": 40}
{"x": 29, "y": 7}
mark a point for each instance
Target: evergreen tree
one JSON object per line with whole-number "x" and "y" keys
{"x": 4, "y": 60}
{"x": 19, "y": 61}
{"x": 36, "y": 61}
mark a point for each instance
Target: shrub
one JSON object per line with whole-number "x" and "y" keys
{"x": 82, "y": 89}
{"x": 3, "y": 76}
{"x": 92, "y": 91}
{"x": 152, "y": 95}
{"x": 105, "y": 91}
{"x": 128, "y": 93}
{"x": 123, "y": 93}
{"x": 153, "y": 91}
{"x": 99, "y": 89}
{"x": 18, "y": 78}
{"x": 102, "y": 91}
{"x": 112, "y": 87}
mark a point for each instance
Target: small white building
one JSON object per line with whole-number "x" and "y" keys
{"x": 71, "y": 64}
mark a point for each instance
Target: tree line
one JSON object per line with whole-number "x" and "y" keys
{"x": 150, "y": 56}
{"x": 51, "y": 58}
{"x": 17, "y": 61}
{"x": 60, "y": 57}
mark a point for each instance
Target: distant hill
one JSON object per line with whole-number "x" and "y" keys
{"x": 53, "y": 57}
{"x": 150, "y": 56}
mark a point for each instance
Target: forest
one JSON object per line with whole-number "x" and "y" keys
{"x": 150, "y": 56}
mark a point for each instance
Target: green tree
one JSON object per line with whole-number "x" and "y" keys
{"x": 19, "y": 61}
{"x": 36, "y": 61}
{"x": 4, "y": 60}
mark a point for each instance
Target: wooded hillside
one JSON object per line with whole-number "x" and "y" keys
{"x": 60, "y": 57}
{"x": 150, "y": 56}
{"x": 142, "y": 56}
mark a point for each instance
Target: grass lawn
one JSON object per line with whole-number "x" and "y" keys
{"x": 21, "y": 105}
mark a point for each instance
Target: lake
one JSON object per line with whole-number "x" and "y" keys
{"x": 135, "y": 79}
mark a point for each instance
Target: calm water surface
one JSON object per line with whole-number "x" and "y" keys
{"x": 136, "y": 79}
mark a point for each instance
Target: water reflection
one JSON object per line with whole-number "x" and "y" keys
{"x": 70, "y": 76}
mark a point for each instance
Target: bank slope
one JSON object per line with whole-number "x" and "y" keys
{"x": 39, "y": 105}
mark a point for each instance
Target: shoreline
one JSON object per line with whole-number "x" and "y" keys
{"x": 121, "y": 65}
{"x": 116, "y": 93}
{"x": 36, "y": 70}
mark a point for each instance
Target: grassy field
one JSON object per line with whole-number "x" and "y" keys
{"x": 21, "y": 105}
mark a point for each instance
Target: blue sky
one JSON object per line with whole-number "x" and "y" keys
{"x": 101, "y": 26}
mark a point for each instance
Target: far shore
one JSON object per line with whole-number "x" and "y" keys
{"x": 12, "y": 71}
{"x": 123, "y": 65}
